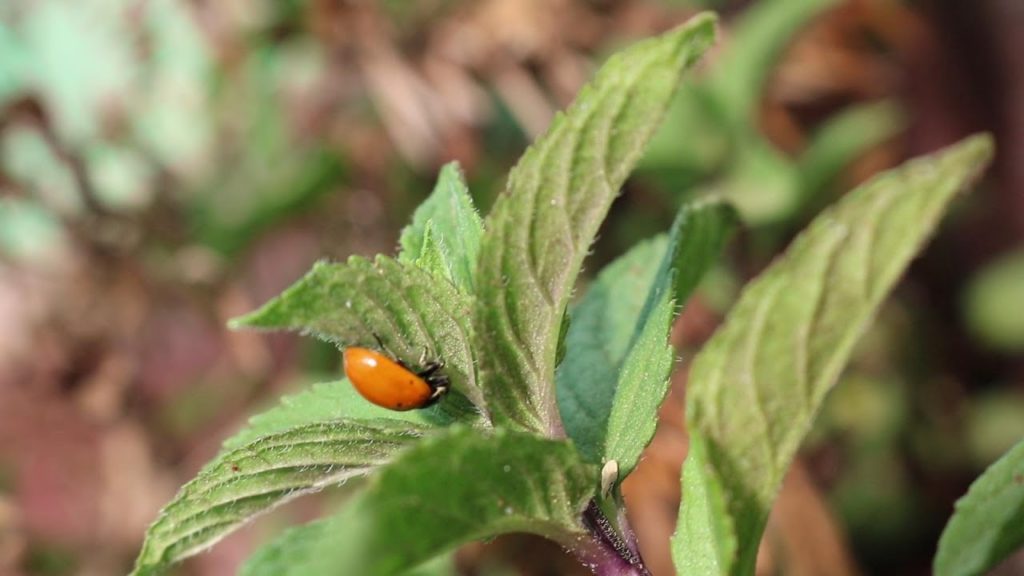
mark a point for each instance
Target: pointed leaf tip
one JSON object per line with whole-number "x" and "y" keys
{"x": 756, "y": 386}
{"x": 410, "y": 309}
{"x": 542, "y": 226}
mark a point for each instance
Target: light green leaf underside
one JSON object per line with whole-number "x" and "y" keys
{"x": 706, "y": 526}
{"x": 756, "y": 386}
{"x": 279, "y": 557}
{"x": 696, "y": 240}
{"x": 542, "y": 226}
{"x": 408, "y": 308}
{"x": 444, "y": 235}
{"x": 452, "y": 488}
{"x": 431, "y": 254}
{"x": 988, "y": 523}
{"x": 258, "y": 476}
{"x": 322, "y": 402}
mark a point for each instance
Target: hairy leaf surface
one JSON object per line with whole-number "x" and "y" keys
{"x": 444, "y": 235}
{"x": 410, "y": 309}
{"x": 757, "y": 385}
{"x": 988, "y": 524}
{"x": 541, "y": 228}
{"x": 251, "y": 479}
{"x": 453, "y": 487}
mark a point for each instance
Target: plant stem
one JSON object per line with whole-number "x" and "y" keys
{"x": 606, "y": 553}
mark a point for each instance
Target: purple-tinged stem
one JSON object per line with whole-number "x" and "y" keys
{"x": 605, "y": 552}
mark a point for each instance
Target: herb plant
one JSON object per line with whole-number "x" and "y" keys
{"x": 552, "y": 402}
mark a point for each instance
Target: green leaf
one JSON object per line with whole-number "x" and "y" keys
{"x": 988, "y": 523}
{"x": 249, "y": 480}
{"x": 993, "y": 292}
{"x": 451, "y": 488}
{"x": 994, "y": 423}
{"x": 439, "y": 566}
{"x": 617, "y": 353}
{"x": 598, "y": 339}
{"x": 270, "y": 174}
{"x": 756, "y": 386}
{"x": 696, "y": 240}
{"x": 718, "y": 116}
{"x": 841, "y": 140}
{"x": 320, "y": 403}
{"x": 766, "y": 186}
{"x": 431, "y": 255}
{"x": 408, "y": 308}
{"x": 758, "y": 39}
{"x": 445, "y": 231}
{"x": 708, "y": 526}
{"x": 279, "y": 557}
{"x": 761, "y": 182}
{"x": 678, "y": 163}
{"x": 540, "y": 229}
{"x": 229, "y": 213}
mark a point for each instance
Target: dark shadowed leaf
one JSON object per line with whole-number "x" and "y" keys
{"x": 618, "y": 360}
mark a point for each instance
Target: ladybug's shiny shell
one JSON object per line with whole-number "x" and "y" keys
{"x": 387, "y": 383}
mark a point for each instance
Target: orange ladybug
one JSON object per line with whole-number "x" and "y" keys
{"x": 390, "y": 383}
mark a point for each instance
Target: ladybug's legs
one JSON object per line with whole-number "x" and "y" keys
{"x": 384, "y": 347}
{"x": 439, "y": 391}
{"x": 437, "y": 381}
{"x": 430, "y": 369}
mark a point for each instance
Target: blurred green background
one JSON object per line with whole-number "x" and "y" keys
{"x": 167, "y": 164}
